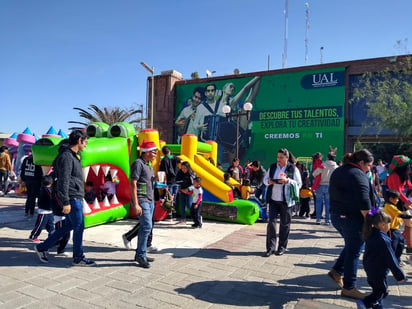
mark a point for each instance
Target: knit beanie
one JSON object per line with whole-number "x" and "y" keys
{"x": 398, "y": 161}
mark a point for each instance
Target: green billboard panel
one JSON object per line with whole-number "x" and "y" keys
{"x": 301, "y": 111}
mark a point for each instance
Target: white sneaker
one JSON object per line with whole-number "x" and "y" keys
{"x": 126, "y": 242}
{"x": 64, "y": 253}
{"x": 152, "y": 249}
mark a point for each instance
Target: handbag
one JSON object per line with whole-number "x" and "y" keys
{"x": 168, "y": 202}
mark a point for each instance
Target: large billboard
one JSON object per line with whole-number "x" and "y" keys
{"x": 301, "y": 111}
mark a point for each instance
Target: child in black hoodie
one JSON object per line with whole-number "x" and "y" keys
{"x": 378, "y": 258}
{"x": 45, "y": 218}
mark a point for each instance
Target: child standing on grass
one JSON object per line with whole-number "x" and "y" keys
{"x": 196, "y": 208}
{"x": 45, "y": 218}
{"x": 378, "y": 259}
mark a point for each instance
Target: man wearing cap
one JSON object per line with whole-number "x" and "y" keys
{"x": 142, "y": 190}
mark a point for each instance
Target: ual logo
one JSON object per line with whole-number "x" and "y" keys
{"x": 324, "y": 80}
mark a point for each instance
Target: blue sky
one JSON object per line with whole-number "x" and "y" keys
{"x": 56, "y": 55}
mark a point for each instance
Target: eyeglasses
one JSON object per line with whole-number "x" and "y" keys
{"x": 154, "y": 152}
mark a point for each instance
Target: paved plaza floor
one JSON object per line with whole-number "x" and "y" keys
{"x": 218, "y": 266}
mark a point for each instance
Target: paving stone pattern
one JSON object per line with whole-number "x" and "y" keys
{"x": 218, "y": 266}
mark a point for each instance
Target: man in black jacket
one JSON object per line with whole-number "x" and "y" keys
{"x": 69, "y": 189}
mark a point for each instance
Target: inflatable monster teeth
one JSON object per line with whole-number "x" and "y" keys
{"x": 96, "y": 204}
{"x": 85, "y": 173}
{"x": 106, "y": 202}
{"x": 114, "y": 200}
{"x": 104, "y": 152}
{"x": 106, "y": 170}
{"x": 86, "y": 207}
{"x": 113, "y": 172}
{"x": 96, "y": 169}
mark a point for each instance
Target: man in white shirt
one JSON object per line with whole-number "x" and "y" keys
{"x": 284, "y": 182}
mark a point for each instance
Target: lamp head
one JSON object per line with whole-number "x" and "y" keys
{"x": 247, "y": 106}
{"x": 226, "y": 109}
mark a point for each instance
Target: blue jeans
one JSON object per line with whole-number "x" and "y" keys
{"x": 174, "y": 189}
{"x": 74, "y": 222}
{"x": 145, "y": 228}
{"x": 185, "y": 202}
{"x": 260, "y": 192}
{"x": 348, "y": 260}
{"x": 322, "y": 194}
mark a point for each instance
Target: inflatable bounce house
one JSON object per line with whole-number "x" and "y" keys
{"x": 20, "y": 145}
{"x": 112, "y": 149}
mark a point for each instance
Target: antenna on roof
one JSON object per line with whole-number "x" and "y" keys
{"x": 209, "y": 73}
{"x": 306, "y": 32}
{"x": 321, "y": 54}
{"x": 285, "y": 51}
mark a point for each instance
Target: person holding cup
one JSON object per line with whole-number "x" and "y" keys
{"x": 284, "y": 182}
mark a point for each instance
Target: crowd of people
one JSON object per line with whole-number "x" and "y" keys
{"x": 369, "y": 205}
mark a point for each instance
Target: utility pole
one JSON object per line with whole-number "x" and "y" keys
{"x": 307, "y": 32}
{"x": 285, "y": 50}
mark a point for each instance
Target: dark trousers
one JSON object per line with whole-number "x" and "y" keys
{"x": 4, "y": 180}
{"x": 285, "y": 218}
{"x": 379, "y": 292}
{"x": 62, "y": 243}
{"x": 196, "y": 214}
{"x": 398, "y": 243}
{"x": 348, "y": 261}
{"x": 135, "y": 231}
{"x": 43, "y": 221}
{"x": 75, "y": 222}
{"x": 33, "y": 190}
{"x": 304, "y": 207}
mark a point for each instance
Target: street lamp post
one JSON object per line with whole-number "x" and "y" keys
{"x": 247, "y": 107}
{"x": 151, "y": 70}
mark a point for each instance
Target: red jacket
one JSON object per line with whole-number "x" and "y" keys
{"x": 316, "y": 163}
{"x": 394, "y": 183}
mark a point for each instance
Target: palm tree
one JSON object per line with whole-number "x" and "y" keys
{"x": 108, "y": 115}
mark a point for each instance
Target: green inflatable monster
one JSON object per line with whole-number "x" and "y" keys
{"x": 110, "y": 149}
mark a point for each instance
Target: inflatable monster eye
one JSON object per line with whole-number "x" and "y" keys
{"x": 121, "y": 129}
{"x": 44, "y": 142}
{"x": 97, "y": 129}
